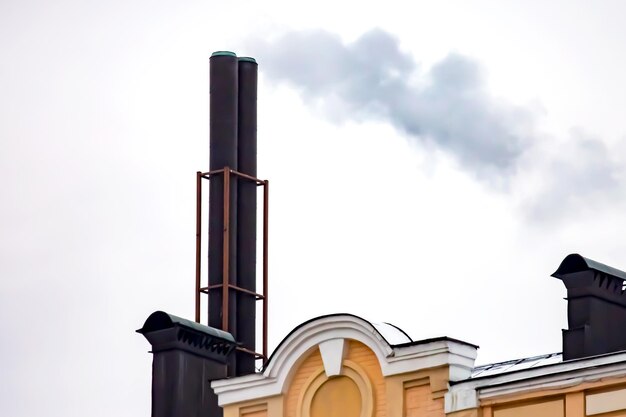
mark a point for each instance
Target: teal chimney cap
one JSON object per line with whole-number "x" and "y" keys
{"x": 247, "y": 59}
{"x": 223, "y": 53}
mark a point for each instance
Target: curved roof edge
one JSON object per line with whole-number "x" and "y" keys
{"x": 160, "y": 320}
{"x": 577, "y": 263}
{"x": 319, "y": 318}
{"x": 393, "y": 335}
{"x": 436, "y": 339}
{"x": 397, "y": 336}
{"x": 378, "y": 327}
{"x": 329, "y": 334}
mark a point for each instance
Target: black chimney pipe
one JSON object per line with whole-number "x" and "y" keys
{"x": 596, "y": 307}
{"x": 189, "y": 355}
{"x": 246, "y": 212}
{"x": 233, "y": 144}
{"x": 223, "y": 153}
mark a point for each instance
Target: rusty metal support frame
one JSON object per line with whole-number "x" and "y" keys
{"x": 225, "y": 286}
{"x": 198, "y": 240}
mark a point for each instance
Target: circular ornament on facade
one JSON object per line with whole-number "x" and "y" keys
{"x": 347, "y": 395}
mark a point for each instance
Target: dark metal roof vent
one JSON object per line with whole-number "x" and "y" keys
{"x": 596, "y": 307}
{"x": 187, "y": 356}
{"x": 166, "y": 332}
{"x": 576, "y": 263}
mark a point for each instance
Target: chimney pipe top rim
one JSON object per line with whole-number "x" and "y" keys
{"x": 223, "y": 53}
{"x": 247, "y": 59}
{"x": 577, "y": 263}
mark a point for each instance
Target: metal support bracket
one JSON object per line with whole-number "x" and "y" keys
{"x": 225, "y": 286}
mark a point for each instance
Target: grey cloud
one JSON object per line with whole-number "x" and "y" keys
{"x": 446, "y": 106}
{"x": 583, "y": 174}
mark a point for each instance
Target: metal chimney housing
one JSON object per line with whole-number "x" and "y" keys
{"x": 187, "y": 356}
{"x": 246, "y": 213}
{"x": 233, "y": 208}
{"x": 596, "y": 307}
{"x": 223, "y": 79}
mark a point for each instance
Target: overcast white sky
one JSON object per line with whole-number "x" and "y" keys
{"x": 431, "y": 164}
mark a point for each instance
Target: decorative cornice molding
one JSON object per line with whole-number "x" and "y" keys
{"x": 467, "y": 394}
{"x": 393, "y": 360}
{"x": 333, "y": 352}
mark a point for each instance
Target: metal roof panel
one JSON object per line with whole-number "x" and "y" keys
{"x": 577, "y": 263}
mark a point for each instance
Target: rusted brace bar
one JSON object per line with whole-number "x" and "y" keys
{"x": 226, "y": 250}
{"x": 266, "y": 189}
{"x": 248, "y": 177}
{"x": 198, "y": 240}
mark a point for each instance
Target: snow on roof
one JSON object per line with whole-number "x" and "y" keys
{"x": 516, "y": 365}
{"x": 392, "y": 334}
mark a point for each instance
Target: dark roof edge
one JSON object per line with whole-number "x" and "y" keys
{"x": 435, "y": 339}
{"x": 518, "y": 360}
{"x": 538, "y": 367}
{"x": 304, "y": 323}
{"x": 400, "y": 330}
{"x": 565, "y": 371}
{"x": 401, "y": 345}
{"x": 161, "y": 320}
{"x": 578, "y": 263}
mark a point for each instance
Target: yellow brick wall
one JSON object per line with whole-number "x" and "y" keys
{"x": 572, "y": 401}
{"x": 255, "y": 414}
{"x": 255, "y": 408}
{"x": 366, "y": 359}
{"x": 418, "y": 402}
{"x": 309, "y": 366}
{"x": 357, "y": 353}
{"x": 552, "y": 408}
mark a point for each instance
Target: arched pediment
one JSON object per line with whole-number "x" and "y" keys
{"x": 393, "y": 349}
{"x": 322, "y": 331}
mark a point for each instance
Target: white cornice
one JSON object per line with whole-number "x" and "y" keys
{"x": 393, "y": 360}
{"x": 458, "y": 356}
{"x": 466, "y": 394}
{"x": 572, "y": 378}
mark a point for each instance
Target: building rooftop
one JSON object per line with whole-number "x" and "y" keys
{"x": 516, "y": 365}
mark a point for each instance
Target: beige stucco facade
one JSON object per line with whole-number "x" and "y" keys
{"x": 359, "y": 391}
{"x": 340, "y": 367}
{"x": 605, "y": 398}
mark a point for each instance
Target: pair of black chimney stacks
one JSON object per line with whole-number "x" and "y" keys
{"x": 187, "y": 355}
{"x": 233, "y": 223}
